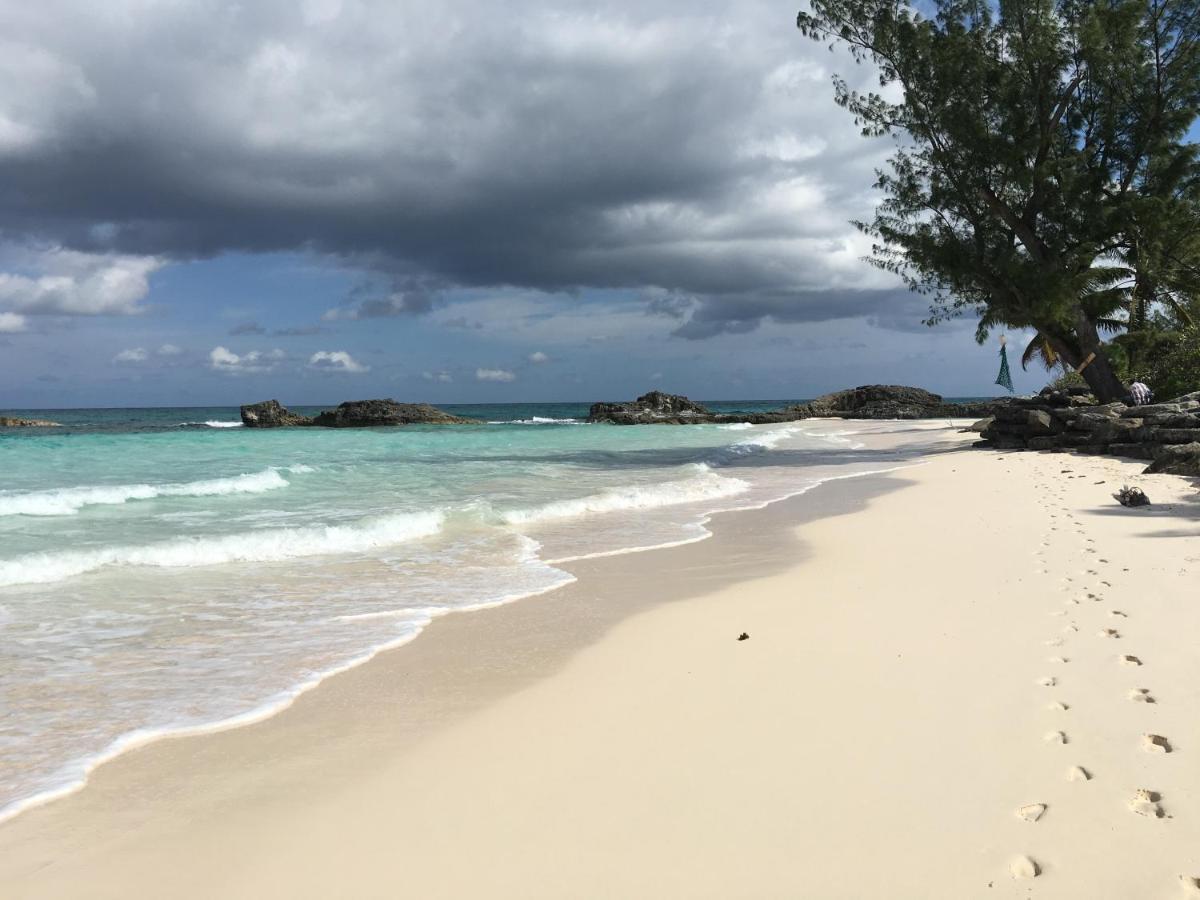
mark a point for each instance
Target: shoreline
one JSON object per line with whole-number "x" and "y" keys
{"x": 283, "y": 700}
{"x": 385, "y": 720}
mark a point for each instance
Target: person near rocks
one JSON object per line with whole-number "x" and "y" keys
{"x": 1140, "y": 394}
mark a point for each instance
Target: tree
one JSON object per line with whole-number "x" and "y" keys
{"x": 1033, "y": 139}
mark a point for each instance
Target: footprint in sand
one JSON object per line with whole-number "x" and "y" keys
{"x": 1116, "y": 613}
{"x": 1053, "y": 642}
{"x": 1023, "y": 867}
{"x": 1141, "y": 695}
{"x": 1071, "y": 628}
{"x": 1155, "y": 743}
{"x": 1032, "y": 812}
{"x": 1108, "y": 633}
{"x": 1078, "y": 773}
{"x": 1191, "y": 885}
{"x": 1054, "y": 737}
{"x": 1057, "y": 706}
{"x": 1128, "y": 660}
{"x": 1059, "y": 660}
{"x": 1047, "y": 681}
{"x": 1146, "y": 803}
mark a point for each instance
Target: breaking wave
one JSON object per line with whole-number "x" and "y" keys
{"x": 704, "y": 485}
{"x": 69, "y": 501}
{"x": 267, "y": 545}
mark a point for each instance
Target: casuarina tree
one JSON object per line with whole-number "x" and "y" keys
{"x": 1033, "y": 142}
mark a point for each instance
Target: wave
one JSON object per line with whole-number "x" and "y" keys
{"x": 211, "y": 423}
{"x": 705, "y": 485}
{"x": 69, "y": 501}
{"x": 538, "y": 420}
{"x": 266, "y": 545}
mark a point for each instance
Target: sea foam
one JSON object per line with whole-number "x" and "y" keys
{"x": 265, "y": 545}
{"x": 69, "y": 501}
{"x": 704, "y": 485}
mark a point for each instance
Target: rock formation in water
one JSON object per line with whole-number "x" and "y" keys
{"x": 13, "y": 422}
{"x": 868, "y": 402}
{"x": 374, "y": 413}
{"x": 351, "y": 414}
{"x": 271, "y": 414}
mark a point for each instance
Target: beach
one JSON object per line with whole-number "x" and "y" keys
{"x": 970, "y": 677}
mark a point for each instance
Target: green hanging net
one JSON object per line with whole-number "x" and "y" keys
{"x": 1004, "y": 379}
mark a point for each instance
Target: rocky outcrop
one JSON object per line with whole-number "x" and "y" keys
{"x": 351, "y": 414}
{"x": 1181, "y": 459}
{"x": 654, "y": 408}
{"x": 271, "y": 414}
{"x": 12, "y": 422}
{"x": 377, "y": 413}
{"x": 892, "y": 401}
{"x": 1167, "y": 433}
{"x": 875, "y": 401}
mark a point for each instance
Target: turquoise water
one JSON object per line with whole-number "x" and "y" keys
{"x": 159, "y": 574}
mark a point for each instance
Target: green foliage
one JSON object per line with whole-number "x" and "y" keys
{"x": 1068, "y": 379}
{"x": 1041, "y": 177}
{"x": 1134, "y": 352}
{"x": 1177, "y": 370}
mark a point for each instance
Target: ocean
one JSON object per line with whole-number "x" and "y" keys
{"x": 167, "y": 570}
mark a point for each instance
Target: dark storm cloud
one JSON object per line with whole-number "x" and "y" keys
{"x": 692, "y": 149}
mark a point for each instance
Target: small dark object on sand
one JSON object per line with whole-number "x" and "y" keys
{"x": 1097, "y": 482}
{"x": 743, "y": 636}
{"x": 1131, "y": 496}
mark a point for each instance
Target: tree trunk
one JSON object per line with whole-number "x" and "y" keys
{"x": 1098, "y": 373}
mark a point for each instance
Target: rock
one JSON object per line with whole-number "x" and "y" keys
{"x": 376, "y": 413}
{"x": 982, "y": 425}
{"x": 271, "y": 414}
{"x": 654, "y": 408}
{"x": 13, "y": 422}
{"x": 892, "y": 401}
{"x": 1178, "y": 459}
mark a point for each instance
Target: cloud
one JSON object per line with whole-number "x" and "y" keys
{"x": 62, "y": 282}
{"x": 335, "y": 361}
{"x": 221, "y": 359}
{"x": 538, "y": 357}
{"x": 11, "y": 323}
{"x": 565, "y": 147}
{"x": 494, "y": 375}
{"x": 442, "y": 377}
{"x": 136, "y": 355}
{"x": 169, "y": 350}
{"x": 246, "y": 328}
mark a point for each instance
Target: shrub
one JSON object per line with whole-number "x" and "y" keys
{"x": 1176, "y": 371}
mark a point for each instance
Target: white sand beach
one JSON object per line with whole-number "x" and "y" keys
{"x": 975, "y": 677}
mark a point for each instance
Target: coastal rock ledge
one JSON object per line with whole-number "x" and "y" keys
{"x": 351, "y": 414}
{"x": 12, "y": 422}
{"x": 872, "y": 401}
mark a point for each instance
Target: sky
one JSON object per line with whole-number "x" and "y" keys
{"x": 207, "y": 203}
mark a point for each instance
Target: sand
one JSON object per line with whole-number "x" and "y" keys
{"x": 977, "y": 677}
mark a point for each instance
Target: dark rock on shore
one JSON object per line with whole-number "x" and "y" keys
{"x": 351, "y": 414}
{"x": 1166, "y": 433}
{"x": 271, "y": 414}
{"x": 1182, "y": 459}
{"x": 868, "y": 402}
{"x": 375, "y": 413}
{"x": 12, "y": 422}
